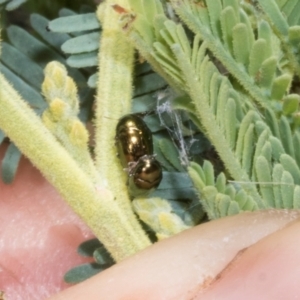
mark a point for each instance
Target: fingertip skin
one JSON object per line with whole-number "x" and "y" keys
{"x": 267, "y": 270}
{"x": 185, "y": 265}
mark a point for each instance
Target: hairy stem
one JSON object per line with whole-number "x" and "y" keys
{"x": 94, "y": 204}
{"x": 212, "y": 131}
{"x": 113, "y": 99}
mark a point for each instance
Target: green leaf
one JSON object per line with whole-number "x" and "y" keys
{"x": 87, "y": 248}
{"x": 215, "y": 84}
{"x": 272, "y": 10}
{"x": 296, "y": 202}
{"x": 13, "y": 4}
{"x": 222, "y": 204}
{"x": 241, "y": 43}
{"x": 262, "y": 139}
{"x": 265, "y": 32}
{"x": 272, "y": 121}
{"x": 287, "y": 189}
{"x": 280, "y": 86}
{"x": 10, "y": 163}
{"x": 293, "y": 18}
{"x": 209, "y": 201}
{"x": 233, "y": 209}
{"x": 102, "y": 256}
{"x": 250, "y": 205}
{"x": 148, "y": 83}
{"x": 290, "y": 165}
{"x": 263, "y": 173}
{"x": 208, "y": 173}
{"x": 266, "y": 151}
{"x": 34, "y": 98}
{"x": 230, "y": 191}
{"x": 234, "y": 3}
{"x": 281, "y": 3}
{"x": 151, "y": 9}
{"x": 257, "y": 56}
{"x": 83, "y": 60}
{"x": 144, "y": 29}
{"x": 22, "y": 66}
{"x": 214, "y": 11}
{"x": 171, "y": 153}
{"x": 241, "y": 198}
{"x": 221, "y": 183}
{"x": 176, "y": 180}
{"x": 92, "y": 81}
{"x": 248, "y": 149}
{"x": 244, "y": 126}
{"x": 230, "y": 122}
{"x": 277, "y": 148}
{"x": 294, "y": 35}
{"x": 286, "y": 136}
{"x": 39, "y": 24}
{"x": 183, "y": 40}
{"x": 83, "y": 272}
{"x": 289, "y": 7}
{"x": 197, "y": 175}
{"x": 228, "y": 21}
{"x": 75, "y": 23}
{"x": 296, "y": 144}
{"x": 267, "y": 72}
{"x": 83, "y": 43}
{"x": 276, "y": 177}
{"x": 290, "y": 104}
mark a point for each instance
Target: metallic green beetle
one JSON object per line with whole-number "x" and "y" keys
{"x": 135, "y": 149}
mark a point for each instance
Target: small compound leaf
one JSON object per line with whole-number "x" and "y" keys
{"x": 92, "y": 81}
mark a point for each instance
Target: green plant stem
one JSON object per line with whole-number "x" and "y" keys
{"x": 114, "y": 94}
{"x": 94, "y": 204}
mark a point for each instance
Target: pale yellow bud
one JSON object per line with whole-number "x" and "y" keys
{"x": 70, "y": 94}
{"x": 48, "y": 87}
{"x": 58, "y": 109}
{"x": 78, "y": 134}
{"x": 47, "y": 120}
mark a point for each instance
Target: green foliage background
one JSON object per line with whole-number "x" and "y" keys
{"x": 230, "y": 69}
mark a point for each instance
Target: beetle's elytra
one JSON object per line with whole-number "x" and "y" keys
{"x": 135, "y": 148}
{"x": 133, "y": 139}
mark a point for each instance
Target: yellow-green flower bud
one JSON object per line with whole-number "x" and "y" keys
{"x": 78, "y": 133}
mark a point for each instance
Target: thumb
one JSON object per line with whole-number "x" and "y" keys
{"x": 188, "y": 265}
